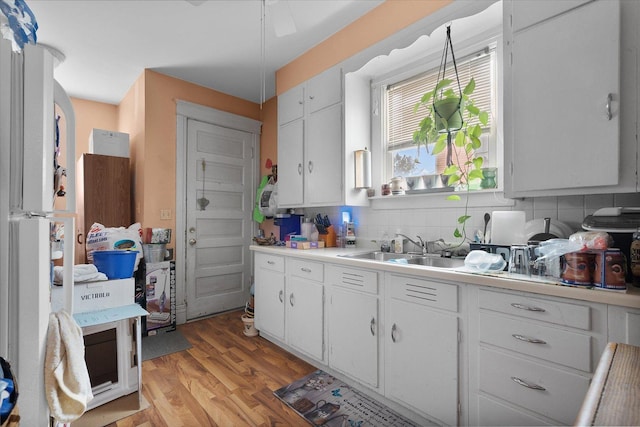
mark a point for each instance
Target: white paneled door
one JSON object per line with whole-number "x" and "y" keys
{"x": 219, "y": 171}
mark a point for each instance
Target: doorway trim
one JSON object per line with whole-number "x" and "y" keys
{"x": 184, "y": 111}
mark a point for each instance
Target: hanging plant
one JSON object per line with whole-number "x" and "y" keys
{"x": 453, "y": 121}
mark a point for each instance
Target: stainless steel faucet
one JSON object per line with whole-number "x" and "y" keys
{"x": 422, "y": 245}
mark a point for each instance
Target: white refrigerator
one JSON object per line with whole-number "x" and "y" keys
{"x": 30, "y": 99}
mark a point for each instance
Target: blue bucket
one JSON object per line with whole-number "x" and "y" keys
{"x": 115, "y": 264}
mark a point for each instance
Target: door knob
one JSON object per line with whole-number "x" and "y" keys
{"x": 192, "y": 242}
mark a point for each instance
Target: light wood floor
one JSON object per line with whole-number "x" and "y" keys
{"x": 225, "y": 379}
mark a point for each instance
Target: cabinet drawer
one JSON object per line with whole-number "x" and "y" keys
{"x": 353, "y": 278}
{"x": 560, "y": 398}
{"x": 306, "y": 269}
{"x": 270, "y": 262}
{"x": 560, "y": 313}
{"x": 545, "y": 342}
{"x": 493, "y": 413}
{"x": 424, "y": 292}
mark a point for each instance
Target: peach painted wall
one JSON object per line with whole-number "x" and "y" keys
{"x": 269, "y": 150}
{"x": 383, "y": 21}
{"x": 131, "y": 120}
{"x": 90, "y": 115}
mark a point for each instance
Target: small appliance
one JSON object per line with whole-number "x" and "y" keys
{"x": 350, "y": 234}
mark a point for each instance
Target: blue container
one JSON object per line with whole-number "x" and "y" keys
{"x": 116, "y": 264}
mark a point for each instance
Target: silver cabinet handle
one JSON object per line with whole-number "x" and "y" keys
{"x": 311, "y": 97}
{"x": 299, "y": 168}
{"x": 291, "y": 299}
{"x": 607, "y": 106}
{"x": 281, "y": 295}
{"x": 305, "y": 269}
{"x": 372, "y": 326}
{"x": 527, "y": 339}
{"x": 271, "y": 262}
{"x": 523, "y": 383}
{"x": 192, "y": 242}
{"x": 393, "y": 333}
{"x": 527, "y": 307}
{"x": 310, "y": 167}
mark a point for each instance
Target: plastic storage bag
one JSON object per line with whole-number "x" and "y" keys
{"x": 101, "y": 238}
{"x": 484, "y": 262}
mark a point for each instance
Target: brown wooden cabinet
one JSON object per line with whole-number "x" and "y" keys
{"x": 103, "y": 196}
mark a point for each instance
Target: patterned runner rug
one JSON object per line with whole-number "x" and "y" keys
{"x": 324, "y": 400}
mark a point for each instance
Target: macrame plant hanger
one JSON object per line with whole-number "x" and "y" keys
{"x": 442, "y": 71}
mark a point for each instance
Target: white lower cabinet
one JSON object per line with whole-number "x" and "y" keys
{"x": 624, "y": 325}
{"x": 304, "y": 318}
{"x": 290, "y": 305}
{"x": 531, "y": 358}
{"x": 269, "y": 294}
{"x": 353, "y": 323}
{"x": 421, "y": 346}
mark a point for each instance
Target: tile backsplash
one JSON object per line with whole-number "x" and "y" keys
{"x": 432, "y": 223}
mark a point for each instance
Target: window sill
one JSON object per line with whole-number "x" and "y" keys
{"x": 438, "y": 199}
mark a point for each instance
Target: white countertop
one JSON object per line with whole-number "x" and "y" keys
{"x": 628, "y": 298}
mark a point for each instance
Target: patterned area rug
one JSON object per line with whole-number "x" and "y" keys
{"x": 324, "y": 400}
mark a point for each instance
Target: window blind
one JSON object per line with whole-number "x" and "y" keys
{"x": 401, "y": 97}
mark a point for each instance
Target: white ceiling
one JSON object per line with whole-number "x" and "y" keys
{"x": 213, "y": 43}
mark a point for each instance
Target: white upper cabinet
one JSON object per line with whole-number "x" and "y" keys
{"x": 565, "y": 99}
{"x": 291, "y": 105}
{"x": 311, "y": 147}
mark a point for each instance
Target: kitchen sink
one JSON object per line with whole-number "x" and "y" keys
{"x": 440, "y": 262}
{"x": 414, "y": 259}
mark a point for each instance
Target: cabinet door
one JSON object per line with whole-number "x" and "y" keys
{"x": 291, "y": 105}
{"x": 290, "y": 166}
{"x": 421, "y": 370}
{"x": 624, "y": 325}
{"x": 305, "y": 318}
{"x": 324, "y": 89}
{"x": 353, "y": 334}
{"x": 103, "y": 195}
{"x": 269, "y": 298}
{"x": 323, "y": 157}
{"x": 559, "y": 74}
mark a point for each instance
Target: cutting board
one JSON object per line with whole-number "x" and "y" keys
{"x": 508, "y": 228}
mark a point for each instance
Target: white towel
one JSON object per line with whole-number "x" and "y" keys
{"x": 81, "y": 273}
{"x": 66, "y": 379}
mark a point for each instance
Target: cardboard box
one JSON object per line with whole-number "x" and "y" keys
{"x": 157, "y": 295}
{"x": 305, "y": 245}
{"x": 93, "y": 296}
{"x": 109, "y": 143}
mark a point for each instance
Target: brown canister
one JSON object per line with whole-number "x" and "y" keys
{"x": 577, "y": 268}
{"x": 609, "y": 271}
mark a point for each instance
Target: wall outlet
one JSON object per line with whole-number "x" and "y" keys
{"x": 165, "y": 213}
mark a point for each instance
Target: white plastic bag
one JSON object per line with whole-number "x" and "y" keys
{"x": 101, "y": 238}
{"x": 484, "y": 262}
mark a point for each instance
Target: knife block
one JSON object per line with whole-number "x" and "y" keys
{"x": 329, "y": 239}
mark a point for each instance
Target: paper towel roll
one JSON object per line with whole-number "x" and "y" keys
{"x": 507, "y": 227}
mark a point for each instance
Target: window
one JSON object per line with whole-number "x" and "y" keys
{"x": 399, "y": 120}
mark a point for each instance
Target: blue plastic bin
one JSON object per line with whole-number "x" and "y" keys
{"x": 115, "y": 264}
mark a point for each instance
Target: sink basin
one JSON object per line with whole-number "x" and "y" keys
{"x": 414, "y": 259}
{"x": 378, "y": 256}
{"x": 437, "y": 261}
